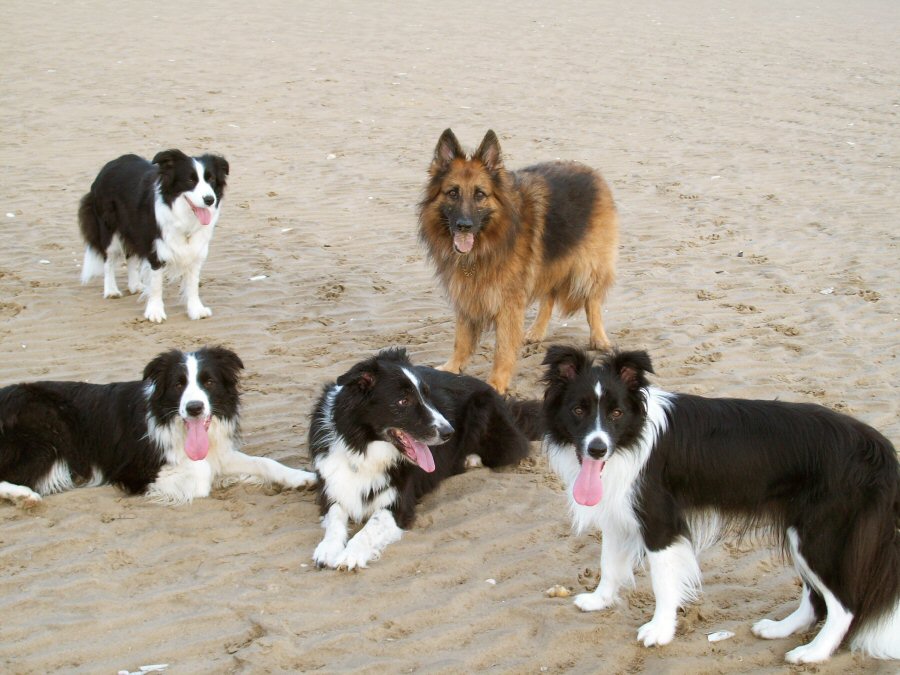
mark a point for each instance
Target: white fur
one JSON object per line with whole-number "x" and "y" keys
{"x": 19, "y": 493}
{"x": 183, "y": 248}
{"x": 675, "y": 576}
{"x": 349, "y": 476}
{"x": 437, "y": 419}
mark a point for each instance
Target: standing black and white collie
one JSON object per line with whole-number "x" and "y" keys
{"x": 162, "y": 213}
{"x": 171, "y": 436}
{"x": 369, "y": 441}
{"x": 656, "y": 472}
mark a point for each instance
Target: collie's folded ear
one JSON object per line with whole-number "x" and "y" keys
{"x": 167, "y": 158}
{"x": 631, "y": 367}
{"x": 564, "y": 364}
{"x": 363, "y": 375}
{"x": 228, "y": 362}
{"x": 446, "y": 150}
{"x": 488, "y": 153}
{"x": 155, "y": 372}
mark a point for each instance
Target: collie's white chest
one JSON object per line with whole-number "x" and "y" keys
{"x": 185, "y": 241}
{"x": 359, "y": 482}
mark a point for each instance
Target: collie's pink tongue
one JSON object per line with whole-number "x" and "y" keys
{"x": 421, "y": 453}
{"x": 464, "y": 241}
{"x": 203, "y": 215}
{"x": 196, "y": 443}
{"x": 588, "y": 488}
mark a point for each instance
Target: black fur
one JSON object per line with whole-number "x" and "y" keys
{"x": 366, "y": 406}
{"x": 759, "y": 463}
{"x": 104, "y": 427}
{"x": 121, "y": 199}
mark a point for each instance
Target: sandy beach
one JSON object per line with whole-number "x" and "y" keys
{"x": 753, "y": 151}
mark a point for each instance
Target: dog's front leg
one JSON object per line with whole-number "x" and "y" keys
{"x": 616, "y": 570}
{"x": 195, "y": 307}
{"x": 236, "y": 463}
{"x": 370, "y": 541}
{"x": 510, "y": 332}
{"x": 675, "y": 577}
{"x": 468, "y": 332}
{"x": 332, "y": 545}
{"x": 155, "y": 310}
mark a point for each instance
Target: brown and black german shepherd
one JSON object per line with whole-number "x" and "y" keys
{"x": 502, "y": 239}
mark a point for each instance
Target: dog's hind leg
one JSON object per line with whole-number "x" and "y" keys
{"x": 539, "y": 328}
{"x": 113, "y": 257}
{"x": 798, "y": 621}
{"x": 837, "y": 619}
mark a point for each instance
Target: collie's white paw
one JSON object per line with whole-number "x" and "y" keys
{"x": 810, "y": 653}
{"x": 155, "y": 312}
{"x": 327, "y": 553}
{"x": 592, "y": 602}
{"x": 657, "y": 632}
{"x": 298, "y": 478}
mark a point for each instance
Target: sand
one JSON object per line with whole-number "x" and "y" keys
{"x": 753, "y": 151}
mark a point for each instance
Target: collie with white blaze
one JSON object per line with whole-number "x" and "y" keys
{"x": 173, "y": 435}
{"x": 160, "y": 216}
{"x": 663, "y": 474}
{"x": 388, "y": 432}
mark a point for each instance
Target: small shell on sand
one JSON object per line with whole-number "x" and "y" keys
{"x": 558, "y": 592}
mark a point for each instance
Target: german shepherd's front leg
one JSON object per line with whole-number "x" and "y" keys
{"x": 510, "y": 333}
{"x": 468, "y": 332}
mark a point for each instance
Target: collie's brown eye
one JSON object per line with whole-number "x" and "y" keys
{"x": 403, "y": 402}
{"x": 578, "y": 411}
{"x": 616, "y": 413}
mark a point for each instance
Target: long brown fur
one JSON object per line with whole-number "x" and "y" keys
{"x": 548, "y": 232}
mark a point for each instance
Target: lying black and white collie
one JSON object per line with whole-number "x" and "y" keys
{"x": 369, "y": 441}
{"x": 656, "y": 471}
{"x": 171, "y": 436}
{"x": 160, "y": 215}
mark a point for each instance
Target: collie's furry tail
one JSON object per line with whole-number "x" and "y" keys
{"x": 529, "y": 417}
{"x": 90, "y": 226}
{"x": 873, "y": 559}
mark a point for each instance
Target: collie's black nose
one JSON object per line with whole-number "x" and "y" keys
{"x": 597, "y": 449}
{"x": 194, "y": 408}
{"x": 209, "y": 200}
{"x": 445, "y": 431}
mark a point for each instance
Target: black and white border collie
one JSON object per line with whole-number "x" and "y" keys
{"x": 389, "y": 432}
{"x": 160, "y": 214}
{"x": 661, "y": 474}
{"x": 171, "y": 436}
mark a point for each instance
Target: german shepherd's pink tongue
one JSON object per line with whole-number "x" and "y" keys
{"x": 463, "y": 241}
{"x": 196, "y": 443}
{"x": 588, "y": 488}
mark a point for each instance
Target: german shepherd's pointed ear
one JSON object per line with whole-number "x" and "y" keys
{"x": 363, "y": 375}
{"x": 564, "y": 364}
{"x": 631, "y": 368}
{"x": 488, "y": 153}
{"x": 446, "y": 150}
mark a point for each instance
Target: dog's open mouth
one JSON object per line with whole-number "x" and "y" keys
{"x": 204, "y": 215}
{"x": 196, "y": 441}
{"x": 417, "y": 451}
{"x": 463, "y": 241}
{"x": 588, "y": 487}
